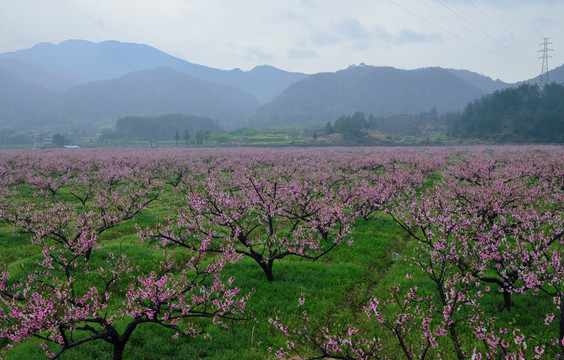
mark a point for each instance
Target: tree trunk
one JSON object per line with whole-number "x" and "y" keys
{"x": 507, "y": 302}
{"x": 451, "y": 327}
{"x": 119, "y": 347}
{"x": 267, "y": 268}
{"x": 119, "y": 342}
{"x": 455, "y": 342}
{"x": 561, "y": 325}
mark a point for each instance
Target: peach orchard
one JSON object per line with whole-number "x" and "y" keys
{"x": 484, "y": 225}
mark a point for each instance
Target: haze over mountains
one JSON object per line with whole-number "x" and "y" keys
{"x": 83, "y": 84}
{"x": 85, "y": 61}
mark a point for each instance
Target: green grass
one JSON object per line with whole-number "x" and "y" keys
{"x": 14, "y": 246}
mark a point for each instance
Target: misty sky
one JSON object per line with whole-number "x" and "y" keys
{"x": 497, "y": 38}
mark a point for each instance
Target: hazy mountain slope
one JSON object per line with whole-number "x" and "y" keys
{"x": 372, "y": 90}
{"x": 154, "y": 92}
{"x": 21, "y": 102}
{"x": 89, "y": 61}
{"x": 57, "y": 82}
{"x": 264, "y": 82}
{"x": 556, "y": 75}
{"x": 482, "y": 82}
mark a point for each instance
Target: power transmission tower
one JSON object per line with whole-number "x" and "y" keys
{"x": 543, "y": 79}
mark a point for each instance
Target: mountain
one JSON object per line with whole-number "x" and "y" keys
{"x": 554, "y": 75}
{"x": 86, "y": 84}
{"x": 21, "y": 101}
{"x": 373, "y": 90}
{"x": 482, "y": 82}
{"x": 154, "y": 92}
{"x": 264, "y": 82}
{"x": 57, "y": 82}
{"x": 86, "y": 61}
{"x": 142, "y": 93}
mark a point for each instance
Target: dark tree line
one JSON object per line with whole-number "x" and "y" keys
{"x": 164, "y": 127}
{"x": 352, "y": 126}
{"x": 522, "y": 114}
{"x": 60, "y": 140}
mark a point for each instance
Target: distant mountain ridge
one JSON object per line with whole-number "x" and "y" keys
{"x": 84, "y": 85}
{"x": 157, "y": 91}
{"x": 482, "y": 82}
{"x": 87, "y": 61}
{"x": 58, "y": 82}
{"x": 149, "y": 92}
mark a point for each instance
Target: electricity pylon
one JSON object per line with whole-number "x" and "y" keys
{"x": 543, "y": 79}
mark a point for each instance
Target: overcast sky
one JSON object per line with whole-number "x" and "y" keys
{"x": 497, "y": 38}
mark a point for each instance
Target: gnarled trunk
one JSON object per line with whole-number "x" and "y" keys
{"x": 267, "y": 268}
{"x": 118, "y": 350}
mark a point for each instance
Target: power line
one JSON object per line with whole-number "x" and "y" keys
{"x": 512, "y": 29}
{"x": 443, "y": 15}
{"x": 450, "y": 32}
{"x": 461, "y": 14}
{"x": 427, "y": 21}
{"x": 486, "y": 36}
{"x": 498, "y": 25}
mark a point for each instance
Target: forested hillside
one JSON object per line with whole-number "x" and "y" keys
{"x": 371, "y": 90}
{"x": 523, "y": 114}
